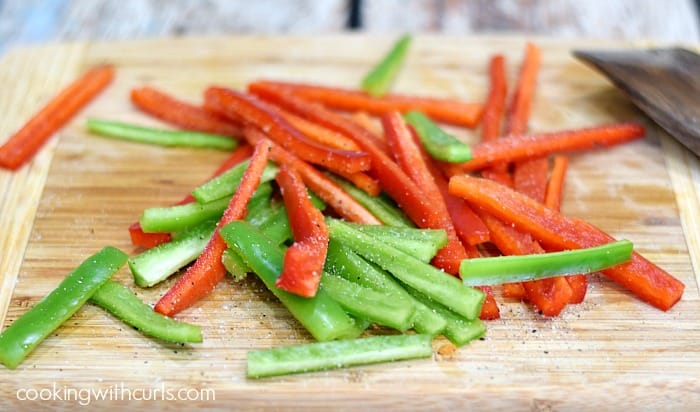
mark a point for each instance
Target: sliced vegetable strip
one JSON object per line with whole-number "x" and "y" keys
{"x": 496, "y": 101}
{"x": 504, "y": 269}
{"x": 22, "y": 145}
{"x": 317, "y": 132}
{"x": 441, "y": 110}
{"x": 390, "y": 176}
{"x": 122, "y": 303}
{"x": 25, "y": 333}
{"x": 319, "y": 183}
{"x": 182, "y": 114}
{"x": 519, "y": 111}
{"x": 555, "y": 186}
{"x": 408, "y": 156}
{"x": 304, "y": 259}
{"x": 517, "y": 148}
{"x": 440, "y": 144}
{"x": 235, "y": 104}
{"x": 379, "y": 80}
{"x": 380, "y": 206}
{"x": 323, "y": 317}
{"x": 339, "y": 354}
{"x": 161, "y": 137}
{"x": 646, "y": 280}
{"x": 207, "y": 271}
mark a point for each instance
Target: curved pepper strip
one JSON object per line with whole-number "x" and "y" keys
{"x": 207, "y": 271}
{"x": 304, "y": 259}
{"x": 239, "y": 105}
{"x": 558, "y": 232}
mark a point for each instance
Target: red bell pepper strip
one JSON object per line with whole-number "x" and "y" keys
{"x": 557, "y": 232}
{"x": 441, "y": 110}
{"x": 493, "y": 115}
{"x": 519, "y": 112}
{"x": 517, "y": 148}
{"x": 363, "y": 181}
{"x": 408, "y": 156}
{"x": 317, "y": 132}
{"x": 182, "y": 114}
{"x": 207, "y": 271}
{"x": 337, "y": 198}
{"x": 552, "y": 199}
{"x": 235, "y": 104}
{"x": 22, "y": 145}
{"x": 513, "y": 290}
{"x": 489, "y": 310}
{"x": 150, "y": 240}
{"x": 304, "y": 259}
{"x": 391, "y": 178}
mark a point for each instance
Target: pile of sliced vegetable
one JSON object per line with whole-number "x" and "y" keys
{"x": 346, "y": 225}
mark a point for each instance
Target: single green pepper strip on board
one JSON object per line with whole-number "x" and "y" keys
{"x": 378, "y": 81}
{"x": 324, "y": 318}
{"x": 437, "y": 285}
{"x": 437, "y": 142}
{"x": 380, "y": 206}
{"x": 122, "y": 303}
{"x": 25, "y": 333}
{"x": 338, "y": 354}
{"x": 505, "y": 269}
{"x": 226, "y": 183}
{"x": 344, "y": 262}
{"x": 366, "y": 303}
{"x": 160, "y": 137}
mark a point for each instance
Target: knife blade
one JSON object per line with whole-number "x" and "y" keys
{"x": 663, "y": 83}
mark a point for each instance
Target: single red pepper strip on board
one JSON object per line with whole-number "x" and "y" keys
{"x": 182, "y": 114}
{"x": 489, "y": 310}
{"x": 238, "y": 105}
{"x": 515, "y": 148}
{"x": 391, "y": 177}
{"x": 150, "y": 240}
{"x": 337, "y": 198}
{"x": 441, "y": 110}
{"x": 557, "y": 232}
{"x": 493, "y": 115}
{"x": 408, "y": 156}
{"x": 207, "y": 271}
{"x": 552, "y": 199}
{"x": 304, "y": 259}
{"x": 22, "y": 145}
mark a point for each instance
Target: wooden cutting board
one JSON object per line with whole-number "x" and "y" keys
{"x": 83, "y": 191}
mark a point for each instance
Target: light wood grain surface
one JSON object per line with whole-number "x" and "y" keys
{"x": 83, "y": 191}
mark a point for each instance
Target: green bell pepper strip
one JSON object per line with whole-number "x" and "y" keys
{"x": 342, "y": 261}
{"x": 378, "y": 81}
{"x": 124, "y": 131}
{"x": 382, "y": 207}
{"x": 422, "y": 244}
{"x": 457, "y": 329}
{"x": 226, "y": 183}
{"x": 366, "y": 303}
{"x": 505, "y": 269}
{"x": 437, "y": 285}
{"x": 122, "y": 303}
{"x": 338, "y": 354}
{"x": 234, "y": 264}
{"x": 324, "y": 318}
{"x": 25, "y": 333}
{"x": 182, "y": 217}
{"x": 157, "y": 264}
{"x": 438, "y": 143}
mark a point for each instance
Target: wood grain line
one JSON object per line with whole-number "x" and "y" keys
{"x": 35, "y": 74}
